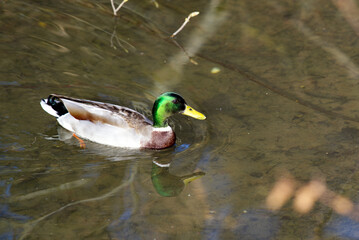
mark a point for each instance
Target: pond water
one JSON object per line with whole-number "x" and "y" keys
{"x": 277, "y": 80}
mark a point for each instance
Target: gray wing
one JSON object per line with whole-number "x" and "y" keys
{"x": 112, "y": 114}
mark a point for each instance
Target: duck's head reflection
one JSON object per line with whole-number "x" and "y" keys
{"x": 167, "y": 184}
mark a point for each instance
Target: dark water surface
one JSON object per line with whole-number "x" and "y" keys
{"x": 284, "y": 105}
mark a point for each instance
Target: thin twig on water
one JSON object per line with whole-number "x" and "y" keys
{"x": 115, "y": 10}
{"x": 193, "y": 14}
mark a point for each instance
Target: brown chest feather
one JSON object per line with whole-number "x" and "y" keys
{"x": 160, "y": 140}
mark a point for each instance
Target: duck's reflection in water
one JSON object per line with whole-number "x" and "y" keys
{"x": 167, "y": 184}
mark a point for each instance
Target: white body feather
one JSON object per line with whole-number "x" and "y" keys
{"x": 103, "y": 133}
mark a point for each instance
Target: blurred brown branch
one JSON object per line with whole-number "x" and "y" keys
{"x": 305, "y": 196}
{"x": 350, "y": 11}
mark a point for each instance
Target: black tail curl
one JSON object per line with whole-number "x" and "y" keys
{"x": 56, "y": 104}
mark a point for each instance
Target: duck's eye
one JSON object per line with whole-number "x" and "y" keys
{"x": 175, "y": 101}
{"x": 51, "y": 99}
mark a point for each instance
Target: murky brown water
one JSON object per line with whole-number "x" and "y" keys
{"x": 285, "y": 105}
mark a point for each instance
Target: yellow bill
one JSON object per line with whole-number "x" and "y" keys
{"x": 189, "y": 111}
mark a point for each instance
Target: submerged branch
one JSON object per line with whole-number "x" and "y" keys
{"x": 119, "y": 40}
{"x": 280, "y": 91}
{"x": 30, "y": 225}
{"x": 65, "y": 186}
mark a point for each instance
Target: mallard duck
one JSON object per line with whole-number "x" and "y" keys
{"x": 119, "y": 126}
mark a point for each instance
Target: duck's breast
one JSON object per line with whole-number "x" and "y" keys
{"x": 160, "y": 138}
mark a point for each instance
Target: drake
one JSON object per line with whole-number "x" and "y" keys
{"x": 119, "y": 126}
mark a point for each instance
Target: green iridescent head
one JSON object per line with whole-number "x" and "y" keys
{"x": 171, "y": 103}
